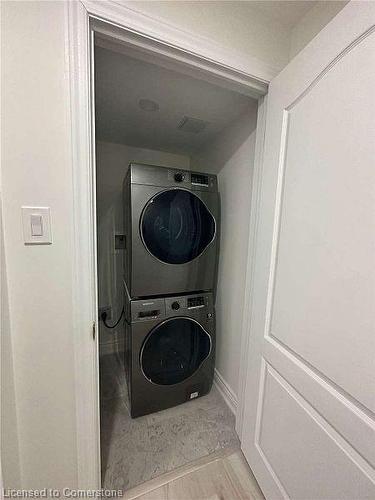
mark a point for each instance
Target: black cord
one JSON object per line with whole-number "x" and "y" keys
{"x": 103, "y": 317}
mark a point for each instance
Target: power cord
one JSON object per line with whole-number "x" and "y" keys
{"x": 103, "y": 317}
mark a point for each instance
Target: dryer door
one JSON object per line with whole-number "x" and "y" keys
{"x": 174, "y": 350}
{"x": 176, "y": 226}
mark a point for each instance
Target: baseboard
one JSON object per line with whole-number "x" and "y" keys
{"x": 229, "y": 396}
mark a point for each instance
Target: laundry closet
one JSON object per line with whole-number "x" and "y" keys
{"x": 166, "y": 137}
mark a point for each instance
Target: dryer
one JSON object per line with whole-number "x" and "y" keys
{"x": 171, "y": 230}
{"x": 169, "y": 351}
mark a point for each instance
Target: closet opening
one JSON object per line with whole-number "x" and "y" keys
{"x": 151, "y": 114}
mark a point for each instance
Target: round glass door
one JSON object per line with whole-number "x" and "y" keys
{"x": 176, "y": 226}
{"x": 174, "y": 350}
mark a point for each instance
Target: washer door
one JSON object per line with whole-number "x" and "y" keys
{"x": 174, "y": 350}
{"x": 176, "y": 226}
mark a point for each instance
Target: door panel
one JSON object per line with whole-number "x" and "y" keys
{"x": 292, "y": 445}
{"x": 325, "y": 273}
{"x": 309, "y": 427}
{"x": 343, "y": 413}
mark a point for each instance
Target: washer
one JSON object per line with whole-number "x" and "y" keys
{"x": 171, "y": 230}
{"x": 169, "y": 351}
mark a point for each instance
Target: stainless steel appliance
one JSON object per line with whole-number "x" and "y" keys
{"x": 170, "y": 351}
{"x": 171, "y": 230}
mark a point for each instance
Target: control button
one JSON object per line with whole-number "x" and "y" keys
{"x": 179, "y": 177}
{"x": 209, "y": 315}
{"x": 175, "y": 306}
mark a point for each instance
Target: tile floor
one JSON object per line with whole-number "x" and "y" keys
{"x": 136, "y": 450}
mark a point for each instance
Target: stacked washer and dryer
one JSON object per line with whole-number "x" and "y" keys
{"x": 171, "y": 226}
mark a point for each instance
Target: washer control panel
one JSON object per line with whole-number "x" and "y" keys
{"x": 194, "y": 305}
{"x": 187, "y": 304}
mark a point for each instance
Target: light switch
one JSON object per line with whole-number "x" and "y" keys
{"x": 36, "y": 223}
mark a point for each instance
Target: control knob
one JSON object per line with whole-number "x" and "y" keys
{"x": 175, "y": 306}
{"x": 179, "y": 177}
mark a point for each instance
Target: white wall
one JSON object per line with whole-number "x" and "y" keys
{"x": 235, "y": 25}
{"x": 313, "y": 22}
{"x": 9, "y": 440}
{"x": 112, "y": 162}
{"x": 36, "y": 170}
{"x": 232, "y": 156}
{"x": 243, "y": 26}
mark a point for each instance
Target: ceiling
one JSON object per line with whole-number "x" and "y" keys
{"x": 288, "y": 13}
{"x": 121, "y": 82}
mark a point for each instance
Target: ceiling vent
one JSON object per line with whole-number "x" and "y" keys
{"x": 192, "y": 125}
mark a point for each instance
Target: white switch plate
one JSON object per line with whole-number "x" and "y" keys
{"x": 36, "y": 222}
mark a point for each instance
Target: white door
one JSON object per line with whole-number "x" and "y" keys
{"x": 309, "y": 428}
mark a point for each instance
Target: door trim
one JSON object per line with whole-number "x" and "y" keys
{"x": 251, "y": 259}
{"x": 77, "y": 40}
{"x": 197, "y": 53}
{"x": 149, "y": 32}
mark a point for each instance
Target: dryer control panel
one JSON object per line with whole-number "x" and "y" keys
{"x": 193, "y": 180}
{"x": 154, "y": 175}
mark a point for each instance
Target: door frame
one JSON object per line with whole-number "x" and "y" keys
{"x": 194, "y": 54}
{"x": 250, "y": 264}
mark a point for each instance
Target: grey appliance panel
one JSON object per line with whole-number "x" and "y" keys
{"x": 150, "y": 276}
{"x": 189, "y": 305}
{"x": 153, "y": 175}
{"x": 146, "y": 396}
{"x": 127, "y": 212}
{"x": 147, "y": 309}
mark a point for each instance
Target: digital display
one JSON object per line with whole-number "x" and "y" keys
{"x": 199, "y": 180}
{"x": 195, "y": 302}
